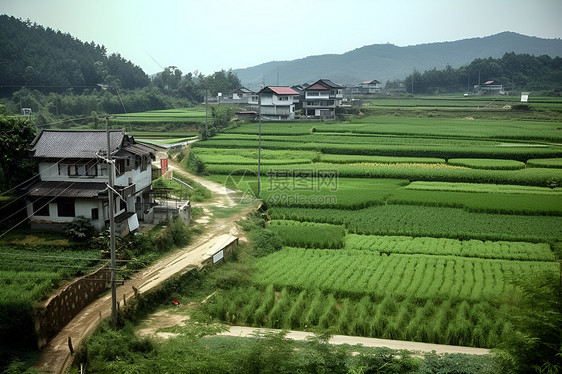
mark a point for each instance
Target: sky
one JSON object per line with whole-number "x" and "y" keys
{"x": 210, "y": 35}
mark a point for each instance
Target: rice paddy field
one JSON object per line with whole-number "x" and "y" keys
{"x": 400, "y": 227}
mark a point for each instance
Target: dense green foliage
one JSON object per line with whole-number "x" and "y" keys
{"x": 438, "y": 222}
{"x": 450, "y": 247}
{"x": 52, "y": 58}
{"x": 28, "y": 273}
{"x": 194, "y": 350}
{"x": 515, "y": 71}
{"x": 308, "y": 234}
{"x": 15, "y": 166}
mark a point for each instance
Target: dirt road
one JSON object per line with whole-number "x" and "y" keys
{"x": 55, "y": 356}
{"x": 242, "y": 331}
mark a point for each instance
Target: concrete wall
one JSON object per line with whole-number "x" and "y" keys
{"x": 63, "y": 307}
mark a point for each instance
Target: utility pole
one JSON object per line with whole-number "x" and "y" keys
{"x": 206, "y": 110}
{"x": 259, "y": 141}
{"x": 111, "y": 227}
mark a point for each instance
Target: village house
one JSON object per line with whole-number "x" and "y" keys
{"x": 278, "y": 103}
{"x": 367, "y": 87}
{"x": 490, "y": 88}
{"x": 73, "y": 179}
{"x": 322, "y": 98}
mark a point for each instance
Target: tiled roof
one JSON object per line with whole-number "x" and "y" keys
{"x": 317, "y": 86}
{"x": 66, "y": 189}
{"x": 323, "y": 84}
{"x": 74, "y": 144}
{"x": 85, "y": 144}
{"x": 374, "y": 81}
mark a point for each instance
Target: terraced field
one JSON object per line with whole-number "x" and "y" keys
{"x": 395, "y": 227}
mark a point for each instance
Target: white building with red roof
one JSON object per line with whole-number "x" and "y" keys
{"x": 278, "y": 103}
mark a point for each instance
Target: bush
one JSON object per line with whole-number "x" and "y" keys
{"x": 195, "y": 164}
{"x": 80, "y": 229}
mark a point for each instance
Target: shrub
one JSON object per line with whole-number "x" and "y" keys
{"x": 80, "y": 229}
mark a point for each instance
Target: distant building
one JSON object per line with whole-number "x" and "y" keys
{"x": 73, "y": 179}
{"x": 322, "y": 98}
{"x": 367, "y": 87}
{"x": 490, "y": 88}
{"x": 278, "y": 103}
{"x": 248, "y": 115}
{"x": 244, "y": 95}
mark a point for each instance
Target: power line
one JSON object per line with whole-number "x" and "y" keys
{"x": 35, "y": 211}
{"x": 22, "y": 256}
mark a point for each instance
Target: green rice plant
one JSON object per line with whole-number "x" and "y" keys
{"x": 485, "y": 202}
{"x": 451, "y": 247}
{"x": 490, "y": 164}
{"x": 308, "y": 234}
{"x": 444, "y": 151}
{"x": 448, "y": 277}
{"x": 431, "y": 221}
{"x": 352, "y": 159}
{"x": 545, "y": 163}
{"x": 281, "y": 307}
{"x": 268, "y": 300}
{"x": 529, "y": 177}
{"x": 483, "y": 188}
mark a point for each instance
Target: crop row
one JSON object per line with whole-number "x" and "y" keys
{"x": 445, "y": 151}
{"x": 435, "y": 127}
{"x": 483, "y": 187}
{"x": 308, "y": 234}
{"x": 519, "y": 203}
{"x": 451, "y": 247}
{"x": 466, "y": 323}
{"x": 431, "y": 221}
{"x": 483, "y": 163}
{"x": 527, "y": 177}
{"x": 415, "y": 126}
{"x": 359, "y": 273}
{"x": 545, "y": 163}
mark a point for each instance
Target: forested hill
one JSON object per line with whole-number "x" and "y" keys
{"x": 388, "y": 62}
{"x": 32, "y": 55}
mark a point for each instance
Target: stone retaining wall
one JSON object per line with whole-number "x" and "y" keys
{"x": 63, "y": 307}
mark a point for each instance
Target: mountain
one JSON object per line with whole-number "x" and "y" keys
{"x": 386, "y": 62}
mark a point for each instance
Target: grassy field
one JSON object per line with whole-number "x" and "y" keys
{"x": 406, "y": 227}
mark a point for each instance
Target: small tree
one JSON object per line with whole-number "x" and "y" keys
{"x": 80, "y": 229}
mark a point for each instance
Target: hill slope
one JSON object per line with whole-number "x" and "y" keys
{"x": 36, "y": 56}
{"x": 388, "y": 62}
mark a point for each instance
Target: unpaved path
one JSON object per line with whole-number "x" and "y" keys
{"x": 55, "y": 356}
{"x": 167, "y": 318}
{"x": 242, "y": 331}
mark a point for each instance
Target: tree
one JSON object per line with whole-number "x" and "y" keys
{"x": 534, "y": 343}
{"x": 15, "y": 164}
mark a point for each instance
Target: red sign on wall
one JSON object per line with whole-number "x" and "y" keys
{"x": 164, "y": 165}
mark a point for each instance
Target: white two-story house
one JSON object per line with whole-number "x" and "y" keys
{"x": 278, "y": 103}
{"x": 73, "y": 178}
{"x": 322, "y": 98}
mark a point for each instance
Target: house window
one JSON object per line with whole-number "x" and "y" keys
{"x": 91, "y": 170}
{"x": 122, "y": 204}
{"x": 41, "y": 208}
{"x": 313, "y": 94}
{"x": 65, "y": 208}
{"x": 95, "y": 214}
{"x": 119, "y": 166}
{"x": 283, "y": 98}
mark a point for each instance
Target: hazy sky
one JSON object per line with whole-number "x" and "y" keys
{"x": 209, "y": 35}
